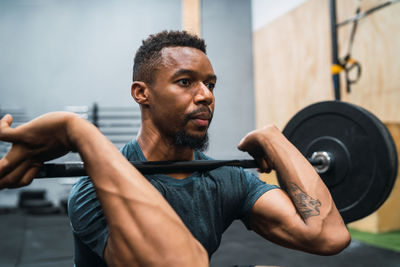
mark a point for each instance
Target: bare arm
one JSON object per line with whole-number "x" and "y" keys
{"x": 305, "y": 217}
{"x": 144, "y": 229}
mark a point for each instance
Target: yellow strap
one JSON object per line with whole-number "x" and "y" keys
{"x": 336, "y": 69}
{"x": 351, "y": 61}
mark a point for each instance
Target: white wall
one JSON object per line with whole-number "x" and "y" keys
{"x": 56, "y": 53}
{"x": 226, "y": 27}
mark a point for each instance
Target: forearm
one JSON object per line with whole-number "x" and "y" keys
{"x": 305, "y": 188}
{"x": 308, "y": 193}
{"x": 143, "y": 227}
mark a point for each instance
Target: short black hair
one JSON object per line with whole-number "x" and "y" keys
{"x": 148, "y": 55}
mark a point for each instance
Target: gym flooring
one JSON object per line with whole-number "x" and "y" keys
{"x": 44, "y": 241}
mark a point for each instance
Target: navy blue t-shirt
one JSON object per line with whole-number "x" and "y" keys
{"x": 207, "y": 202}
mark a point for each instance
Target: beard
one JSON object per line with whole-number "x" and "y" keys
{"x": 182, "y": 138}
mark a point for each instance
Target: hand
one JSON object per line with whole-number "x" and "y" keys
{"x": 33, "y": 143}
{"x": 257, "y": 144}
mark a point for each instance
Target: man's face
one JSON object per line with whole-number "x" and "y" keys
{"x": 181, "y": 96}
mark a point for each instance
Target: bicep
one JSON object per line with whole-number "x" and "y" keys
{"x": 274, "y": 217}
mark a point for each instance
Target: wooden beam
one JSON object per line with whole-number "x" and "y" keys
{"x": 191, "y": 16}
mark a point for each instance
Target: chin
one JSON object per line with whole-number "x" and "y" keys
{"x": 195, "y": 141}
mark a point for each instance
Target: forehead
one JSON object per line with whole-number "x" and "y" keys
{"x": 189, "y": 58}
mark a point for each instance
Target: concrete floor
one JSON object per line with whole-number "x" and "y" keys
{"x": 44, "y": 241}
{"x": 240, "y": 247}
{"x": 35, "y": 241}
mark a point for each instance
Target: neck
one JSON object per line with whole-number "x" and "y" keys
{"x": 157, "y": 147}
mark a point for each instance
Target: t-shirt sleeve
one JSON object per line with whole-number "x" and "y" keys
{"x": 86, "y": 216}
{"x": 255, "y": 189}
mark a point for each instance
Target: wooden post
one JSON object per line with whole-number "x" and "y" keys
{"x": 191, "y": 16}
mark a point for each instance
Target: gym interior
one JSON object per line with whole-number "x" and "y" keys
{"x": 272, "y": 59}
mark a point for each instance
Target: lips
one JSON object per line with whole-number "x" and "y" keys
{"x": 201, "y": 122}
{"x": 202, "y": 116}
{"x": 201, "y": 119}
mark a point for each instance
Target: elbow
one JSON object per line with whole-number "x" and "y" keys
{"x": 339, "y": 244}
{"x": 333, "y": 243}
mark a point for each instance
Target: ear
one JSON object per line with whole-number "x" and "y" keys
{"x": 140, "y": 92}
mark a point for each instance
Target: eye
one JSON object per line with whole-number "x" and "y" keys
{"x": 210, "y": 85}
{"x": 184, "y": 82}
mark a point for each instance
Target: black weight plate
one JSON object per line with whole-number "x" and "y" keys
{"x": 365, "y": 158}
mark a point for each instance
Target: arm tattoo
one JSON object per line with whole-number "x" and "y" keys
{"x": 305, "y": 204}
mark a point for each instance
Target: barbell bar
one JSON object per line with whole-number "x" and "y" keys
{"x": 74, "y": 169}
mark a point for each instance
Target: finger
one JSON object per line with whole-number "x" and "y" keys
{"x": 242, "y": 144}
{"x": 6, "y": 132}
{"x": 5, "y": 166}
{"x": 11, "y": 160}
{"x": 251, "y": 144}
{"x": 27, "y": 178}
{"x": 7, "y": 119}
{"x": 15, "y": 175}
{"x": 263, "y": 165}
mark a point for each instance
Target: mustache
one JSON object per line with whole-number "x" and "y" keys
{"x": 200, "y": 110}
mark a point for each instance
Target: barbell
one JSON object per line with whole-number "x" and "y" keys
{"x": 350, "y": 148}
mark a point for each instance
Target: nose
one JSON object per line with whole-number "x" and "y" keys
{"x": 203, "y": 94}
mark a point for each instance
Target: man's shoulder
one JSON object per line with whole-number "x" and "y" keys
{"x": 83, "y": 186}
{"x": 87, "y": 219}
{"x": 201, "y": 156}
{"x": 131, "y": 150}
{"x": 82, "y": 199}
{"x": 227, "y": 174}
{"x": 198, "y": 155}
{"x": 234, "y": 177}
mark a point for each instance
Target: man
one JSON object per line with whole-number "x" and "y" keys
{"x": 121, "y": 218}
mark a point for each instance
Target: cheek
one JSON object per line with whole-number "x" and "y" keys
{"x": 173, "y": 107}
{"x": 171, "y": 104}
{"x": 177, "y": 104}
{"x": 170, "y": 113}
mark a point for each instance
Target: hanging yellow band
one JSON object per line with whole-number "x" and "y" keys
{"x": 351, "y": 61}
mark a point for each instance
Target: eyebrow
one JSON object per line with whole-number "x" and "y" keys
{"x": 191, "y": 72}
